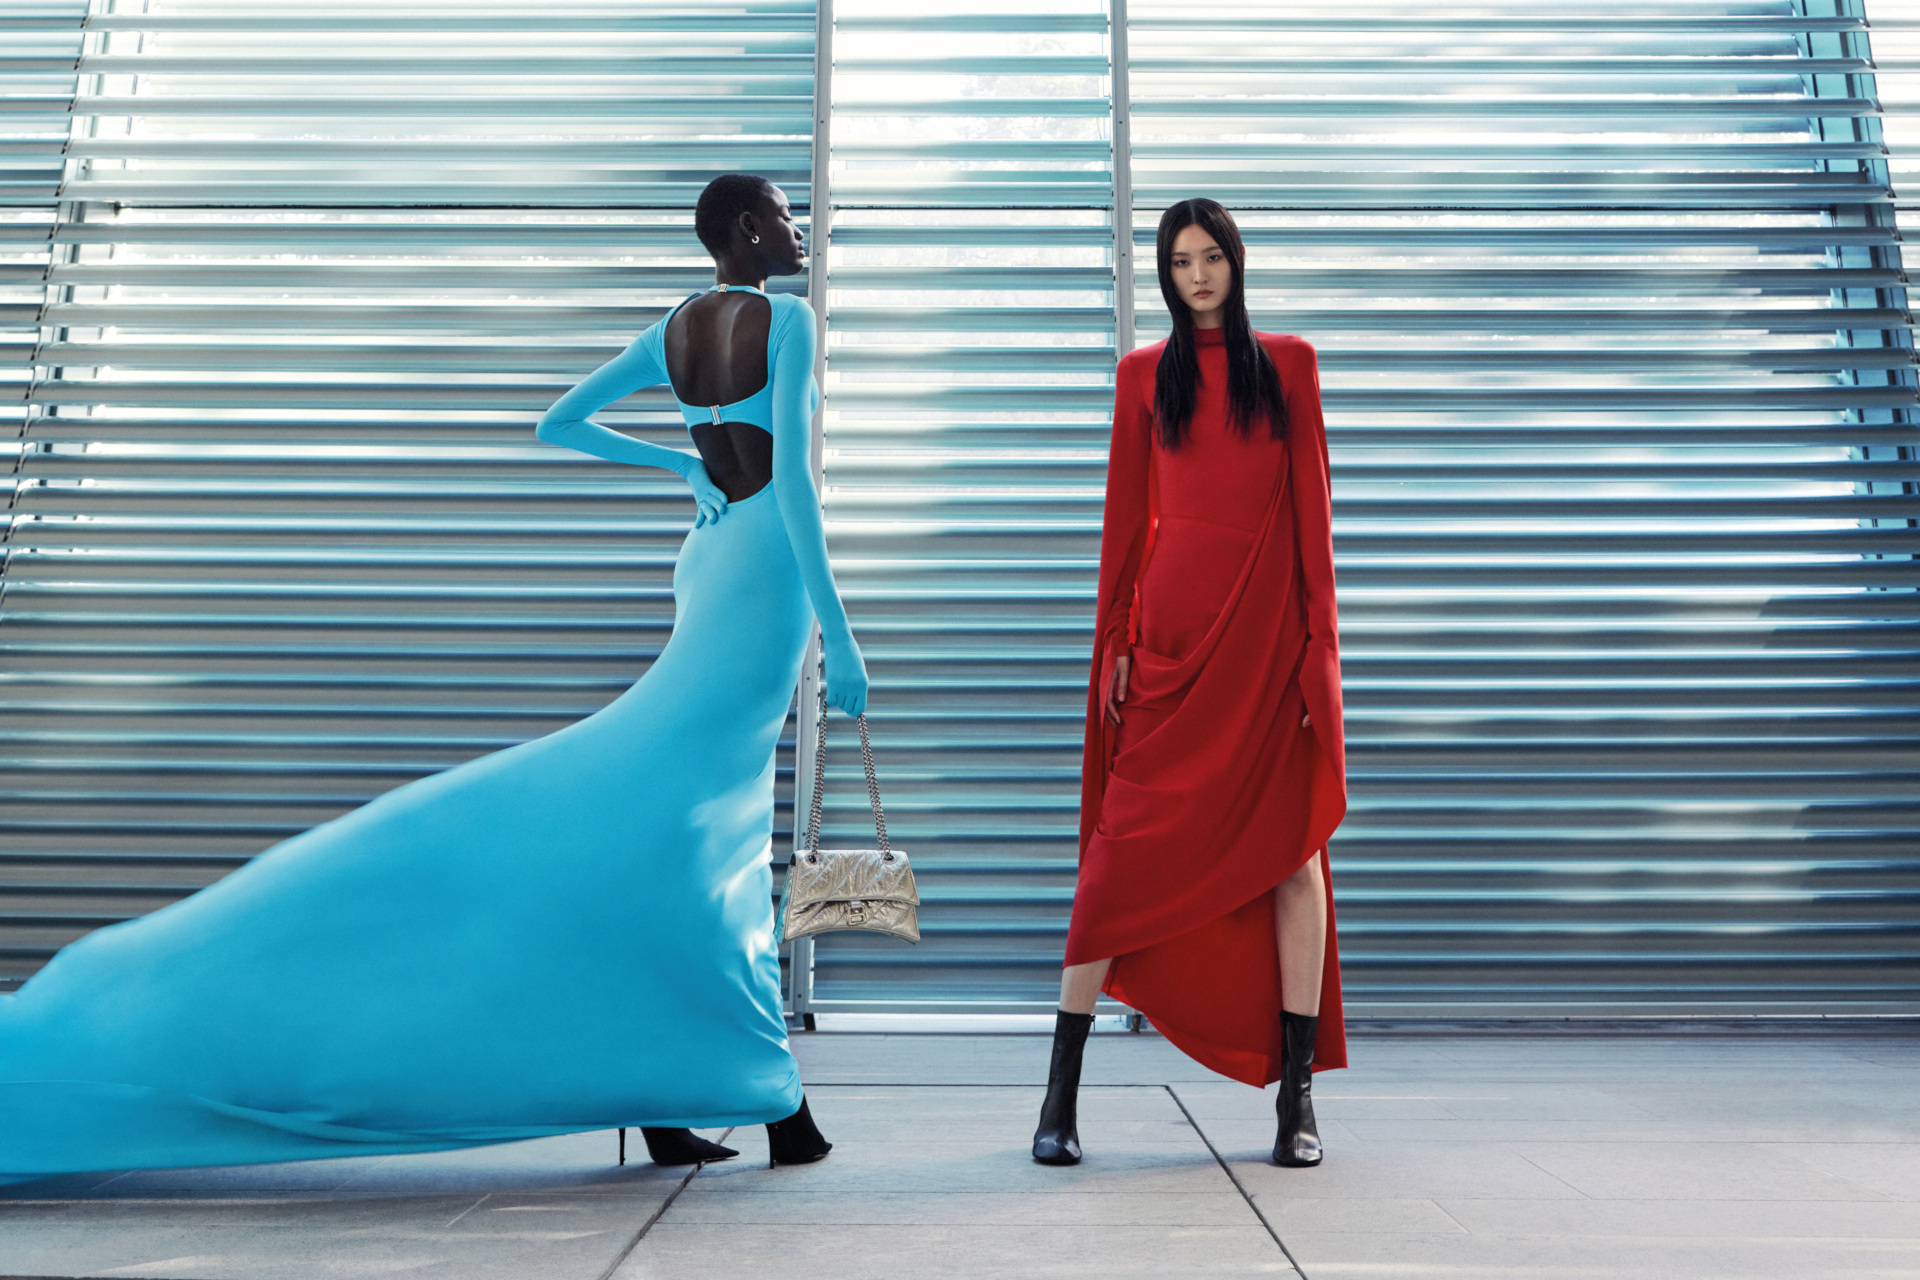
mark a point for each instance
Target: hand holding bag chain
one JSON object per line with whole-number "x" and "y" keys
{"x": 848, "y": 888}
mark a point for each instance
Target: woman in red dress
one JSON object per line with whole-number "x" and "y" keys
{"x": 1214, "y": 769}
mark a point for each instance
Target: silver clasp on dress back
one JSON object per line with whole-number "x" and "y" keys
{"x": 715, "y": 411}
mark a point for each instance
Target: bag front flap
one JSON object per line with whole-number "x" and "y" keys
{"x": 844, "y": 875}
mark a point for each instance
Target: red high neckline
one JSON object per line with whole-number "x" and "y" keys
{"x": 1209, "y": 337}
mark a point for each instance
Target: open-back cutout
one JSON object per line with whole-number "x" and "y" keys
{"x": 738, "y": 456}
{"x": 716, "y": 347}
{"x": 716, "y": 352}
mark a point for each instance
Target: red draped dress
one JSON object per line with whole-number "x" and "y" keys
{"x": 1216, "y": 573}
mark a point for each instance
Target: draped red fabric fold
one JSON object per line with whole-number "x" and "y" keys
{"x": 1216, "y": 573}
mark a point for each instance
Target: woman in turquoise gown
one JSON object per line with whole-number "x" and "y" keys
{"x": 575, "y": 933}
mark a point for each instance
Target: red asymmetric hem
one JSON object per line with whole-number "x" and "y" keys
{"x": 1216, "y": 574}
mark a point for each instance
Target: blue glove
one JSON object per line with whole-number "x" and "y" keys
{"x": 846, "y": 676}
{"x": 709, "y": 501}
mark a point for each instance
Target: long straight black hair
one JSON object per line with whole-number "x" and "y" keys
{"x": 1253, "y": 384}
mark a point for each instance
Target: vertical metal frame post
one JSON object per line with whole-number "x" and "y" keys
{"x": 1122, "y": 107}
{"x": 819, "y": 210}
{"x": 1120, "y": 95}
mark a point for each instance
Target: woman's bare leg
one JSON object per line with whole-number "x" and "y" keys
{"x": 1080, "y": 985}
{"x": 1300, "y": 926}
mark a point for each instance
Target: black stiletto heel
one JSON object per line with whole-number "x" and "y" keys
{"x": 796, "y": 1140}
{"x": 680, "y": 1146}
{"x": 1057, "y": 1140}
{"x": 1298, "y": 1143}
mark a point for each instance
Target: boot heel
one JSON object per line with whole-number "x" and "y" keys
{"x": 796, "y": 1140}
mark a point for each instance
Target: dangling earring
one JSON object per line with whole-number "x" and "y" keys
{"x": 756, "y": 239}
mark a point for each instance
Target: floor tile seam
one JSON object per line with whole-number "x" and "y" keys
{"x": 1701, "y": 1200}
{"x": 1362, "y": 1198}
{"x": 982, "y": 1146}
{"x": 1551, "y": 1174}
{"x": 1638, "y": 1142}
{"x": 1251, "y": 1228}
{"x": 454, "y": 1198}
{"x": 1692, "y": 1237}
{"x": 1827, "y": 1142}
{"x": 1434, "y": 1201}
{"x": 185, "y": 1202}
{"x": 947, "y": 1193}
{"x": 1569, "y": 1140}
{"x": 221, "y": 1202}
{"x": 658, "y": 1213}
{"x": 1772, "y": 1146}
{"x": 1661, "y": 1199}
{"x": 956, "y": 1084}
{"x": 1234, "y": 1178}
{"x": 469, "y": 1209}
{"x": 634, "y": 1190}
{"x": 959, "y": 1223}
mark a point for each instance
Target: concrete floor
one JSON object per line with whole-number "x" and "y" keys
{"x": 1556, "y": 1155}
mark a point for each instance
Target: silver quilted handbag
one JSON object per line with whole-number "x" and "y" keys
{"x": 831, "y": 889}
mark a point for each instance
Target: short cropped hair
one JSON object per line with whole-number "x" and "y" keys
{"x": 721, "y": 204}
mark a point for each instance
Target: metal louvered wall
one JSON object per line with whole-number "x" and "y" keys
{"x": 281, "y": 536}
{"x": 1619, "y": 383}
{"x": 1619, "y": 379}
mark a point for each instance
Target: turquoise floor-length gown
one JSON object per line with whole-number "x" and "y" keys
{"x": 575, "y": 933}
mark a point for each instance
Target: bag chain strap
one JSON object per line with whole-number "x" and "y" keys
{"x": 820, "y": 786}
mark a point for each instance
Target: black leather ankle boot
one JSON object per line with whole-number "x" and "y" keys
{"x": 796, "y": 1140}
{"x": 1057, "y": 1140}
{"x": 1298, "y": 1146}
{"x": 683, "y": 1146}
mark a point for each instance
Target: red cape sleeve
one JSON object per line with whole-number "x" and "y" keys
{"x": 1123, "y": 539}
{"x": 1312, "y": 495}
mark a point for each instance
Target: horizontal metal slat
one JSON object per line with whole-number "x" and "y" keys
{"x": 443, "y": 154}
{"x": 1354, "y": 108}
{"x": 787, "y": 113}
{"x": 1548, "y": 66}
{"x": 792, "y": 57}
{"x": 750, "y": 19}
{"x": 1598, "y": 20}
{"x": 359, "y": 192}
